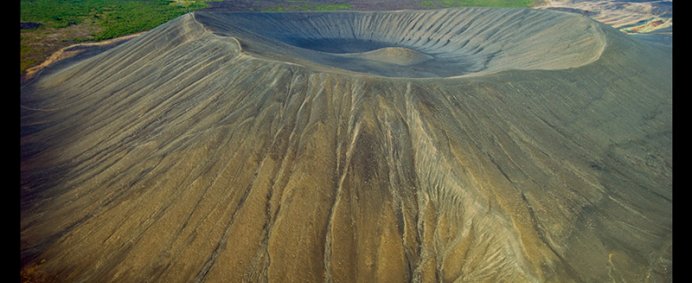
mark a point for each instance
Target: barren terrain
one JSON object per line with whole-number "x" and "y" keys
{"x": 454, "y": 145}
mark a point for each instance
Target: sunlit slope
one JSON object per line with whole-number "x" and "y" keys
{"x": 206, "y": 150}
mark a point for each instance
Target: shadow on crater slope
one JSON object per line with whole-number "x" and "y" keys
{"x": 469, "y": 145}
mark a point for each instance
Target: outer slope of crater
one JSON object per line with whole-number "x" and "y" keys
{"x": 190, "y": 154}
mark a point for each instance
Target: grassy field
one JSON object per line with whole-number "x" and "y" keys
{"x": 113, "y": 17}
{"x": 65, "y": 22}
{"x": 306, "y": 6}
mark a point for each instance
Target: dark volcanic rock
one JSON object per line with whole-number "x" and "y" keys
{"x": 29, "y": 25}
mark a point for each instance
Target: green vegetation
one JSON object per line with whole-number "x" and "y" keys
{"x": 69, "y": 21}
{"x": 113, "y": 17}
{"x": 427, "y": 4}
{"x": 332, "y": 7}
{"x": 305, "y": 6}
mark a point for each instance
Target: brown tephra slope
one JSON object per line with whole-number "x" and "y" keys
{"x": 196, "y": 152}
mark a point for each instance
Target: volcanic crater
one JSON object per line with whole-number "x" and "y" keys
{"x": 447, "y": 43}
{"x": 455, "y": 145}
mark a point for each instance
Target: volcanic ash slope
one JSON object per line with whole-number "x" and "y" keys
{"x": 467, "y": 145}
